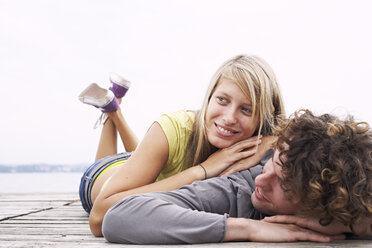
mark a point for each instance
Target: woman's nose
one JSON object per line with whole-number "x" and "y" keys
{"x": 230, "y": 117}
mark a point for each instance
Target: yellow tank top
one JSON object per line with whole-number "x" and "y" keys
{"x": 177, "y": 127}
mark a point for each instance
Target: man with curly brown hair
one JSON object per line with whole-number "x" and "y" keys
{"x": 317, "y": 186}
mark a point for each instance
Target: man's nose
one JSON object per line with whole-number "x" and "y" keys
{"x": 265, "y": 179}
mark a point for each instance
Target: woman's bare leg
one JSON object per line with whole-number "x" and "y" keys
{"x": 98, "y": 97}
{"x": 108, "y": 145}
{"x": 108, "y": 141}
{"x": 129, "y": 139}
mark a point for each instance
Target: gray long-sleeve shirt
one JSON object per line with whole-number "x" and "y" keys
{"x": 195, "y": 213}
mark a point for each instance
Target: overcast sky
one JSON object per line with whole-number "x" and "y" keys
{"x": 51, "y": 50}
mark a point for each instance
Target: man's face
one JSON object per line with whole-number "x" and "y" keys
{"x": 268, "y": 197}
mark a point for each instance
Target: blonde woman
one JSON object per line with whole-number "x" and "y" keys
{"x": 231, "y": 132}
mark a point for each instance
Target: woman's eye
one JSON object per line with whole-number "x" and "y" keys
{"x": 221, "y": 99}
{"x": 247, "y": 110}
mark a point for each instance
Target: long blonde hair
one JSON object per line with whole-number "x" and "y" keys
{"x": 257, "y": 81}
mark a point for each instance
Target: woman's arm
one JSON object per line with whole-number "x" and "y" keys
{"x": 138, "y": 176}
{"x": 141, "y": 170}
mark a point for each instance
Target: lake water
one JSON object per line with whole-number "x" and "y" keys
{"x": 39, "y": 182}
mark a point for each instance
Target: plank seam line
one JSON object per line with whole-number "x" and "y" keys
{"x": 36, "y": 211}
{"x": 32, "y": 212}
{"x": 71, "y": 202}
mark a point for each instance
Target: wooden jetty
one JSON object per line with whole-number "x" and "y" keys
{"x": 58, "y": 220}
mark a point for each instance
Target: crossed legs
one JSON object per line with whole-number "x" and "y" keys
{"x": 108, "y": 102}
{"x": 108, "y": 141}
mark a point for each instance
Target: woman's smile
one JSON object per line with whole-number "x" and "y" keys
{"x": 225, "y": 131}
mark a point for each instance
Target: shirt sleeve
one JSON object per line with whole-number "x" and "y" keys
{"x": 177, "y": 127}
{"x": 195, "y": 213}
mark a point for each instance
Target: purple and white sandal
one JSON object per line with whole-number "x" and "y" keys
{"x": 100, "y": 98}
{"x": 120, "y": 85}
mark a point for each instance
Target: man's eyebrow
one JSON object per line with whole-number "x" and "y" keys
{"x": 281, "y": 180}
{"x": 277, "y": 164}
{"x": 280, "y": 164}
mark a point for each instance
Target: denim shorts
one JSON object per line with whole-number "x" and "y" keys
{"x": 92, "y": 172}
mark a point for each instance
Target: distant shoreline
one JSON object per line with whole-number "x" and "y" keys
{"x": 42, "y": 168}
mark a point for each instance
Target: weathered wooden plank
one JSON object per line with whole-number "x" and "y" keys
{"x": 50, "y": 222}
{"x": 39, "y": 196}
{"x": 42, "y": 225}
{"x": 5, "y": 214}
{"x": 16, "y": 205}
{"x": 29, "y": 204}
{"x": 71, "y": 230}
{"x": 103, "y": 243}
{"x": 58, "y": 220}
{"x": 43, "y": 214}
{"x": 15, "y": 200}
{"x": 51, "y": 217}
{"x": 23, "y": 244}
{"x": 63, "y": 213}
{"x": 52, "y": 237}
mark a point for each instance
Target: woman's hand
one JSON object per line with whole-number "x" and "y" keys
{"x": 250, "y": 161}
{"x": 224, "y": 158}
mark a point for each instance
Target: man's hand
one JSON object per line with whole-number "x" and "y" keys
{"x": 334, "y": 228}
{"x": 362, "y": 227}
{"x": 262, "y": 231}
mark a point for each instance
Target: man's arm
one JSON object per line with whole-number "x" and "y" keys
{"x": 195, "y": 213}
{"x": 159, "y": 218}
{"x": 147, "y": 219}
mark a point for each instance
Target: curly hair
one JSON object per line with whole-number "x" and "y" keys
{"x": 327, "y": 166}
